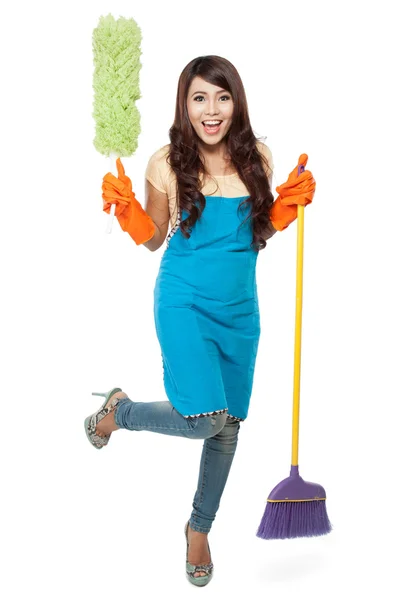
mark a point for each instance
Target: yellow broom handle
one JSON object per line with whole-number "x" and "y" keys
{"x": 297, "y": 336}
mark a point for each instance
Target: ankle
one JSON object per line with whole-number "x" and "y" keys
{"x": 193, "y": 532}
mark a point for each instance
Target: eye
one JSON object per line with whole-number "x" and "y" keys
{"x": 225, "y": 96}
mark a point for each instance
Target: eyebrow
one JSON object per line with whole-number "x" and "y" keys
{"x": 200, "y": 92}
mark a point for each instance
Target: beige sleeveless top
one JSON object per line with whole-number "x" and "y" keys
{"x": 163, "y": 178}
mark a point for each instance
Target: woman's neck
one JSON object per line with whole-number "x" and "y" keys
{"x": 216, "y": 159}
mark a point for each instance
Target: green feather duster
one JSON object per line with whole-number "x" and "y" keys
{"x": 116, "y": 53}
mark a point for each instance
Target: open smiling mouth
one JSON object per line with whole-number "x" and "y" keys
{"x": 212, "y": 127}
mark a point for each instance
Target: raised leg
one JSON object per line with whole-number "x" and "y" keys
{"x": 159, "y": 417}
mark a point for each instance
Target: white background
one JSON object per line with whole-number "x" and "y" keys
{"x": 77, "y": 307}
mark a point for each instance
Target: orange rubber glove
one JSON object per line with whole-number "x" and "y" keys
{"x": 129, "y": 212}
{"x": 299, "y": 189}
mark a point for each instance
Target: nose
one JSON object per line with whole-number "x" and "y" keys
{"x": 213, "y": 109}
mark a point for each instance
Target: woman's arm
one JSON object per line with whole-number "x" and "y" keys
{"x": 156, "y": 206}
{"x": 270, "y": 231}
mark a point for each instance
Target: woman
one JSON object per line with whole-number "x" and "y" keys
{"x": 212, "y": 184}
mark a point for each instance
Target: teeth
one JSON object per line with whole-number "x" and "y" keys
{"x": 212, "y": 122}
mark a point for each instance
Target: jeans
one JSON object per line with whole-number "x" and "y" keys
{"x": 220, "y": 434}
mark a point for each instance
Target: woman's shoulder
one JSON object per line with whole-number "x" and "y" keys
{"x": 264, "y": 149}
{"x": 158, "y": 170}
{"x": 160, "y": 154}
{"x": 267, "y": 155}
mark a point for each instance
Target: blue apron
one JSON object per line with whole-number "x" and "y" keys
{"x": 206, "y": 312}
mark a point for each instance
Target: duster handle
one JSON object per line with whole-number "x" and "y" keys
{"x": 297, "y": 336}
{"x": 114, "y": 171}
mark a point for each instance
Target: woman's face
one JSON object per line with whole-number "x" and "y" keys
{"x": 208, "y": 102}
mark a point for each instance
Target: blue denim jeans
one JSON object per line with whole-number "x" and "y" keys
{"x": 220, "y": 434}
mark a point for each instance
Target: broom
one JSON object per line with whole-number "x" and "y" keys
{"x": 116, "y": 53}
{"x": 296, "y": 508}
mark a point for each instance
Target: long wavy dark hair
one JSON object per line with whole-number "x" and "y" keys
{"x": 184, "y": 158}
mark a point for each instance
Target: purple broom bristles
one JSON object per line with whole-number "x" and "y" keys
{"x": 295, "y": 508}
{"x": 284, "y": 520}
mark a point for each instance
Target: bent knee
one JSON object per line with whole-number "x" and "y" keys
{"x": 209, "y": 426}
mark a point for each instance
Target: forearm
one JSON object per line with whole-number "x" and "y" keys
{"x": 156, "y": 241}
{"x": 270, "y": 231}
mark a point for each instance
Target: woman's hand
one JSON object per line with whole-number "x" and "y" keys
{"x": 129, "y": 212}
{"x": 298, "y": 189}
{"x": 117, "y": 190}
